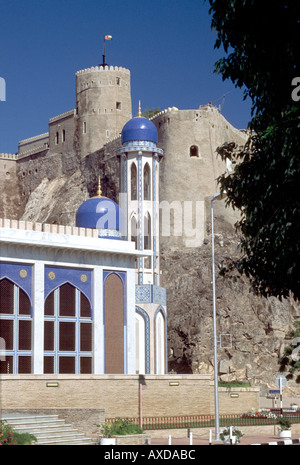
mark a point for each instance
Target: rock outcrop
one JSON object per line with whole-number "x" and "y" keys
{"x": 254, "y": 329}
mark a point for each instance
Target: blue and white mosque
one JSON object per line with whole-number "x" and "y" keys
{"x": 86, "y": 299}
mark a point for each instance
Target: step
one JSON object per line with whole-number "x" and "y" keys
{"x": 22, "y": 417}
{"x": 48, "y": 429}
{"x": 66, "y": 442}
{"x": 32, "y": 423}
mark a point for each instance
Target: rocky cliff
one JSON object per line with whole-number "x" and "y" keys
{"x": 254, "y": 329}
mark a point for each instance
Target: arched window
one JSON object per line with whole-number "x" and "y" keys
{"x": 133, "y": 184}
{"x": 134, "y": 231}
{"x": 140, "y": 336}
{"x": 114, "y": 324}
{"x": 147, "y": 231}
{"x": 194, "y": 151}
{"x": 147, "y": 182}
{"x": 68, "y": 332}
{"x": 15, "y": 328}
{"x": 160, "y": 349}
{"x": 142, "y": 331}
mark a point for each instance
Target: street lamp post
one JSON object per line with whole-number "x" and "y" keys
{"x": 217, "y": 196}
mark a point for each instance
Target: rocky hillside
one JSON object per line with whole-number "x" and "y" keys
{"x": 259, "y": 327}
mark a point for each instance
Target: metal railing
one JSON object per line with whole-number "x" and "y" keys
{"x": 202, "y": 421}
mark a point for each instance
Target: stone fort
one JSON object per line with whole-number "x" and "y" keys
{"x": 52, "y": 173}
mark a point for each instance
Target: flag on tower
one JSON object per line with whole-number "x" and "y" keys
{"x": 108, "y": 37}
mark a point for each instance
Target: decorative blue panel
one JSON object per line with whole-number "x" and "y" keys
{"x": 149, "y": 293}
{"x": 159, "y": 295}
{"x": 143, "y": 293}
{"x": 20, "y": 274}
{"x": 154, "y": 187}
{"x": 57, "y": 276}
{"x": 124, "y": 161}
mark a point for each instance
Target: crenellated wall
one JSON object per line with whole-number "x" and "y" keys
{"x": 101, "y": 69}
{"x": 49, "y": 228}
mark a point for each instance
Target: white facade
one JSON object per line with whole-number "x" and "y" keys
{"x": 28, "y": 255}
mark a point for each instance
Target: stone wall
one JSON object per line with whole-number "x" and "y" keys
{"x": 190, "y": 166}
{"x": 238, "y": 400}
{"x": 120, "y": 396}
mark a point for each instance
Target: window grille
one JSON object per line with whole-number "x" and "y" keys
{"x": 15, "y": 329}
{"x": 68, "y": 332}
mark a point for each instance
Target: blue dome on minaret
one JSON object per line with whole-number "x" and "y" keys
{"x": 101, "y": 213}
{"x": 139, "y": 128}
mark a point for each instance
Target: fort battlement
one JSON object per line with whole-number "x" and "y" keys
{"x": 66, "y": 114}
{"x": 34, "y": 138}
{"x": 24, "y": 154}
{"x": 9, "y": 156}
{"x": 102, "y": 69}
{"x": 32, "y": 151}
{"x": 163, "y": 112}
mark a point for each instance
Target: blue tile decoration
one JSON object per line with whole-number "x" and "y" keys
{"x": 143, "y": 293}
{"x": 20, "y": 274}
{"x": 159, "y": 295}
{"x": 149, "y": 293}
{"x": 79, "y": 278}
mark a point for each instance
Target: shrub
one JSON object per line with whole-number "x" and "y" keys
{"x": 284, "y": 423}
{"x": 9, "y": 437}
{"x": 235, "y": 432}
{"x": 119, "y": 427}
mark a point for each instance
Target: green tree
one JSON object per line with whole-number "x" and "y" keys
{"x": 150, "y": 112}
{"x": 290, "y": 361}
{"x": 261, "y": 43}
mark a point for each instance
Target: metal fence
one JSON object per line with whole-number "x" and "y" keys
{"x": 202, "y": 421}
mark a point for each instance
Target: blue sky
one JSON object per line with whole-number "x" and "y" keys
{"x": 168, "y": 46}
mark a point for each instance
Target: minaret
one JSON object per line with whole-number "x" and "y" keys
{"x": 140, "y": 158}
{"x": 139, "y": 201}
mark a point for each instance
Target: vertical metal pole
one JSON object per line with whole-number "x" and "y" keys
{"x": 103, "y": 56}
{"x": 141, "y": 406}
{"x": 217, "y": 424}
{"x": 280, "y": 387}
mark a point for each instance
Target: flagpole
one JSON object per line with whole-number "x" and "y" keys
{"x": 103, "y": 56}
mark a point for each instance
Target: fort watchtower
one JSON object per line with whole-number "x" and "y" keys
{"x": 103, "y": 105}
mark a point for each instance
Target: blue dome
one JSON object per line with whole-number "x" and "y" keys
{"x": 100, "y": 213}
{"x": 139, "y": 128}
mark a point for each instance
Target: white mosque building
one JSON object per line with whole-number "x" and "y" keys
{"x": 86, "y": 299}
